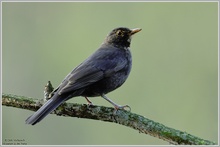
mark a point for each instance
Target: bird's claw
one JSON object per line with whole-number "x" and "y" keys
{"x": 90, "y": 104}
{"x": 117, "y": 107}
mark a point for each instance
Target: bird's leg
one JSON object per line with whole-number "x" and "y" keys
{"x": 89, "y": 102}
{"x": 116, "y": 105}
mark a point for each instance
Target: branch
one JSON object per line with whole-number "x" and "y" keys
{"x": 135, "y": 121}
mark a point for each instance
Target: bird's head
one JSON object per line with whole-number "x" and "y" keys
{"x": 121, "y": 37}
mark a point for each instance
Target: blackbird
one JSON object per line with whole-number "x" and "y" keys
{"x": 102, "y": 72}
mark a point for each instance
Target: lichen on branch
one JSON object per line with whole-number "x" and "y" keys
{"x": 126, "y": 118}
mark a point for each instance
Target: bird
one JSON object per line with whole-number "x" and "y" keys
{"x": 102, "y": 72}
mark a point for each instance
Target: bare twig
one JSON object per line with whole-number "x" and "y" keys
{"x": 122, "y": 117}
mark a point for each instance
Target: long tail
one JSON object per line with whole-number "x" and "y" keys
{"x": 48, "y": 107}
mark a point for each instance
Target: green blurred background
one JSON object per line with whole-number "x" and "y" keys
{"x": 174, "y": 79}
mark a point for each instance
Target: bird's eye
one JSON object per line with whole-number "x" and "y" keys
{"x": 119, "y": 33}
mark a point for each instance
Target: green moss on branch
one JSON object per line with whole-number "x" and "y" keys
{"x": 132, "y": 120}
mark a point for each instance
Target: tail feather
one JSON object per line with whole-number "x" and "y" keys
{"x": 48, "y": 107}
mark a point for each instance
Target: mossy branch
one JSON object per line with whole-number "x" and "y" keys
{"x": 135, "y": 121}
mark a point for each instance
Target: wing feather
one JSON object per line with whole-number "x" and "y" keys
{"x": 103, "y": 63}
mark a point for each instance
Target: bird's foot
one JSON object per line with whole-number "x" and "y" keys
{"x": 117, "y": 107}
{"x": 89, "y": 102}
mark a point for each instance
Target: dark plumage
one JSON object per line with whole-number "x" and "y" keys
{"x": 102, "y": 72}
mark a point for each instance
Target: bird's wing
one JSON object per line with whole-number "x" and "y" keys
{"x": 80, "y": 79}
{"x": 92, "y": 70}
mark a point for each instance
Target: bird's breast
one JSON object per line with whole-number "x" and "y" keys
{"x": 114, "y": 80}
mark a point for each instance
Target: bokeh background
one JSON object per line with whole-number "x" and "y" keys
{"x": 174, "y": 79}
